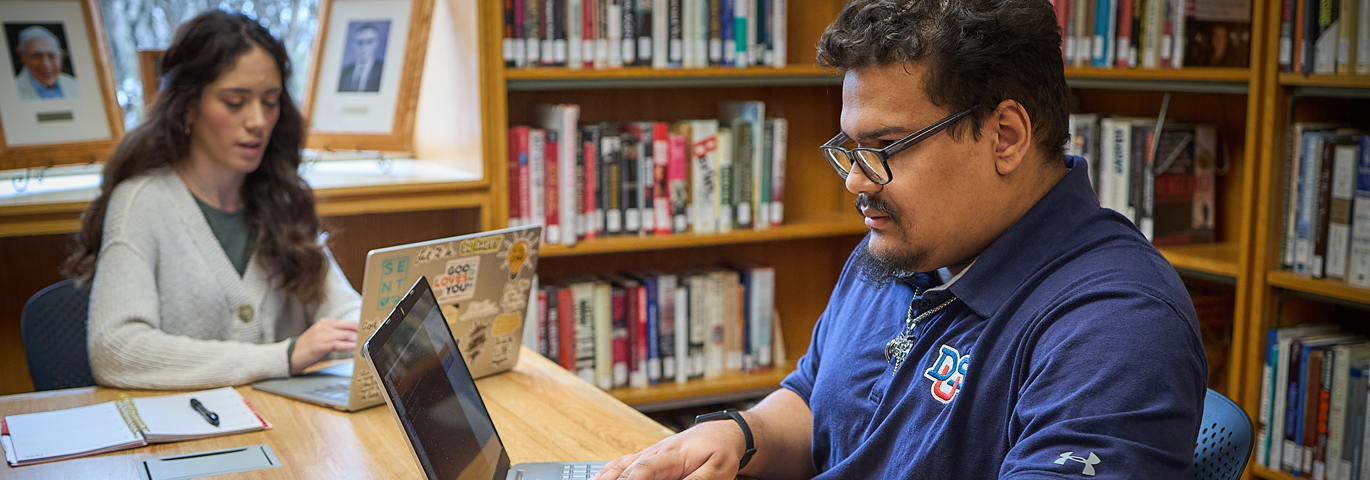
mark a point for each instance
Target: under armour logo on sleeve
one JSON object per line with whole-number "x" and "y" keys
{"x": 1089, "y": 462}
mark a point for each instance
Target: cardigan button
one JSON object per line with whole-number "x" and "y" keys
{"x": 245, "y": 313}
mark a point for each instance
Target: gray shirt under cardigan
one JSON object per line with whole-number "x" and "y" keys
{"x": 169, "y": 311}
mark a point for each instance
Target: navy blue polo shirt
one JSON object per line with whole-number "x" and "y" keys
{"x": 1073, "y": 351}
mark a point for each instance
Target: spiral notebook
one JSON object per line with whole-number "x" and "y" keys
{"x": 122, "y": 424}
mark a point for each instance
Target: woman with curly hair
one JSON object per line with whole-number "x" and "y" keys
{"x": 203, "y": 251}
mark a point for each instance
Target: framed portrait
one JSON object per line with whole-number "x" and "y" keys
{"x": 57, "y": 103}
{"x": 364, "y": 85}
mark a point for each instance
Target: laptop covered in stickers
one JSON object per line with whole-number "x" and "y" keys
{"x": 481, "y": 282}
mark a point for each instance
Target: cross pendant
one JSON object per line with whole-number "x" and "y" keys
{"x": 898, "y": 350}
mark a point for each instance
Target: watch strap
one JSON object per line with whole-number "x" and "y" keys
{"x": 734, "y": 415}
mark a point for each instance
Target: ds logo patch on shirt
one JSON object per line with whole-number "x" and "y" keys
{"x": 948, "y": 373}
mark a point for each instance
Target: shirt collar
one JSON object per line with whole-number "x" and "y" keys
{"x": 1028, "y": 243}
{"x": 55, "y": 91}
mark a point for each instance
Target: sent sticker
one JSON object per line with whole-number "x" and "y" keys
{"x": 458, "y": 281}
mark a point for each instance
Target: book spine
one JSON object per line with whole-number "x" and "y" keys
{"x": 732, "y": 321}
{"x": 1346, "y": 37}
{"x": 1289, "y": 462}
{"x": 551, "y": 327}
{"x": 533, "y": 24}
{"x": 604, "y": 335}
{"x": 575, "y": 34}
{"x": 666, "y": 329}
{"x": 1123, "y": 44}
{"x": 675, "y": 55}
{"x": 779, "y": 157}
{"x": 727, "y": 33}
{"x": 652, "y": 333}
{"x": 726, "y": 188}
{"x": 741, "y": 32}
{"x": 587, "y": 341}
{"x": 646, "y": 31}
{"x": 611, "y": 168}
{"x": 713, "y": 320}
{"x": 1355, "y": 423}
{"x": 1362, "y": 41}
{"x": 679, "y": 183}
{"x": 714, "y": 19}
{"x": 647, "y": 182}
{"x": 622, "y": 325}
{"x": 1263, "y": 414}
{"x": 568, "y": 317}
{"x": 589, "y": 136}
{"x": 1343, "y": 190}
{"x": 537, "y": 149}
{"x": 629, "y": 172}
{"x": 684, "y": 355}
{"x": 552, "y": 193}
{"x": 641, "y": 335}
{"x": 538, "y": 332}
{"x": 1152, "y": 33}
{"x": 628, "y": 37}
{"x": 517, "y": 143}
{"x": 560, "y": 51}
{"x": 612, "y": 42}
{"x": 1319, "y": 441}
{"x": 780, "y": 33}
{"x": 1359, "y": 274}
{"x": 1325, "y": 45}
{"x": 761, "y": 187}
{"x": 700, "y": 328}
{"x": 1286, "y": 46}
{"x": 762, "y": 294}
{"x": 1318, "y": 263}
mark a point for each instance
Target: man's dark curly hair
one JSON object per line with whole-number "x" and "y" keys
{"x": 976, "y": 54}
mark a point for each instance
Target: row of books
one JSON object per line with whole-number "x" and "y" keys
{"x": 1164, "y": 183}
{"x": 713, "y": 175}
{"x": 1325, "y": 36}
{"x": 644, "y": 329}
{"x": 1154, "y": 33}
{"x": 1312, "y": 417}
{"x": 1327, "y": 203}
{"x": 602, "y": 34}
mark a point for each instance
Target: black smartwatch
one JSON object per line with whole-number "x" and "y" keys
{"x": 732, "y": 414}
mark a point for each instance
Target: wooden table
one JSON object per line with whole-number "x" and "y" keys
{"x": 542, "y": 412}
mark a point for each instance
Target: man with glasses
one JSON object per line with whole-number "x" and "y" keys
{"x": 363, "y": 74}
{"x": 995, "y": 322}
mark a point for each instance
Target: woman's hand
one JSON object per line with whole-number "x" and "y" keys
{"x": 324, "y": 337}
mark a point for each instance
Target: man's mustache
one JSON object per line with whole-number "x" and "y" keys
{"x": 867, "y": 201}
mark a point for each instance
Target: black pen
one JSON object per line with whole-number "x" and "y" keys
{"x": 211, "y": 417}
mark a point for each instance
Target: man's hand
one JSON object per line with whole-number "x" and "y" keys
{"x": 324, "y": 337}
{"x": 708, "y": 451}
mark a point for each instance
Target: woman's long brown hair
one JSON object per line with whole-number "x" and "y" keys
{"x": 275, "y": 200}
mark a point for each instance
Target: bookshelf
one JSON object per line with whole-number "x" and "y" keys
{"x": 1279, "y": 297}
{"x": 820, "y": 229}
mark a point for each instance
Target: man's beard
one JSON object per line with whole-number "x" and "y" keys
{"x": 879, "y": 269}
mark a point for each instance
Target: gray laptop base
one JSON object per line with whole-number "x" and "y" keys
{"x": 329, "y": 387}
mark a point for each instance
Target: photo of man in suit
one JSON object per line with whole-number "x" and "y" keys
{"x": 364, "y": 57}
{"x": 39, "y": 57}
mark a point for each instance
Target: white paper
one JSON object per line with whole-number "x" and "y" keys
{"x": 68, "y": 432}
{"x": 172, "y": 416}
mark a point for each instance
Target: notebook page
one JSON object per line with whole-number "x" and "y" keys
{"x": 69, "y": 432}
{"x": 171, "y": 415}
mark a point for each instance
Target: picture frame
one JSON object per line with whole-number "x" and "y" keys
{"x": 75, "y": 117}
{"x": 363, "y": 84}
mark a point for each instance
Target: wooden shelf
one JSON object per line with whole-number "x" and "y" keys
{"x": 824, "y": 227}
{"x": 1335, "y": 81}
{"x": 728, "y": 387}
{"x": 647, "y": 77}
{"x": 1219, "y": 259}
{"x": 1318, "y": 286}
{"x": 1268, "y": 474}
{"x": 1203, "y": 80}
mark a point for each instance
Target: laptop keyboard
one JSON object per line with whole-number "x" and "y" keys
{"x": 337, "y": 392}
{"x": 580, "y": 471}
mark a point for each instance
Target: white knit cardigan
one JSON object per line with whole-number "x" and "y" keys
{"x": 169, "y": 311}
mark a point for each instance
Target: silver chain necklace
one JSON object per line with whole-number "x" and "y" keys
{"x": 898, "y": 349}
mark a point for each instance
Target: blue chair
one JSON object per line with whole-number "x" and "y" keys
{"x": 54, "y": 330}
{"x": 1225, "y": 440}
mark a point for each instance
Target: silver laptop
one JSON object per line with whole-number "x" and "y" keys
{"x": 433, "y": 396}
{"x": 482, "y": 284}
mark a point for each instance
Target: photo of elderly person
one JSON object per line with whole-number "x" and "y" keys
{"x": 38, "y": 56}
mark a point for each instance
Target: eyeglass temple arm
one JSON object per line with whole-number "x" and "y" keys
{"x": 931, "y": 130}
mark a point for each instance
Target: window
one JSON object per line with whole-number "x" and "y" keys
{"x": 151, "y": 24}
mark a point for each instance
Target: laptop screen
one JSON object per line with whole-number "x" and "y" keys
{"x": 432, "y": 392}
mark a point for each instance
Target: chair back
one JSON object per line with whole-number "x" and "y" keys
{"x": 1225, "y": 440}
{"x": 54, "y": 330}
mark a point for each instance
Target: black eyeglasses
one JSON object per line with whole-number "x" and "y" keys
{"x": 874, "y": 162}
